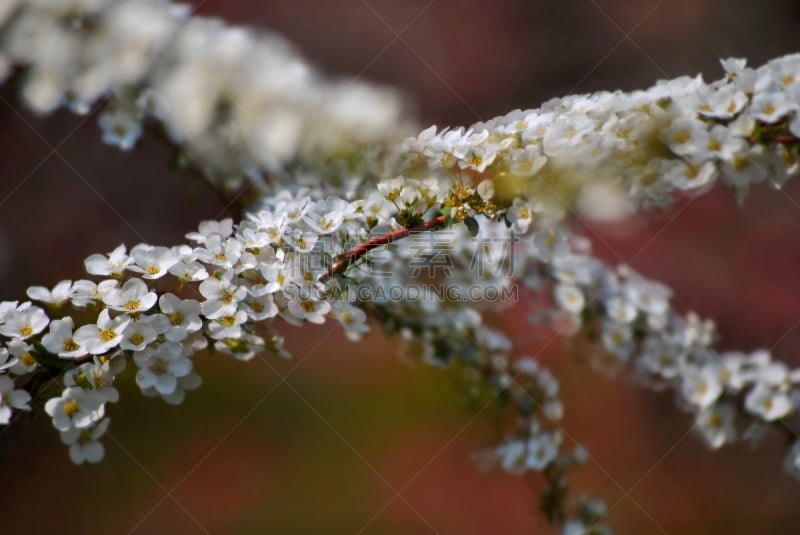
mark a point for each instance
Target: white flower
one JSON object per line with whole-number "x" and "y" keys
{"x": 660, "y": 359}
{"x": 649, "y": 297}
{"x": 701, "y": 387}
{"x": 527, "y": 162}
{"x": 260, "y": 308}
{"x": 11, "y": 399}
{"x": 569, "y": 297}
{"x": 227, "y": 325}
{"x": 572, "y": 268}
{"x": 207, "y": 229}
{"x": 60, "y": 293}
{"x": 479, "y": 157}
{"x": 485, "y": 190}
{"x": 352, "y": 318}
{"x": 309, "y": 310}
{"x": 687, "y": 137}
{"x": 269, "y": 222}
{"x": 685, "y": 176}
{"x": 219, "y": 251}
{"x": 243, "y": 348}
{"x": 549, "y": 245}
{"x": 768, "y": 403}
{"x": 251, "y": 236}
{"x": 620, "y": 310}
{"x": 113, "y": 264}
{"x": 328, "y": 215}
{"x": 97, "y": 375}
{"x": 183, "y": 315}
{"x": 222, "y": 296}
{"x": 391, "y": 188}
{"x": 161, "y": 367}
{"x": 133, "y": 297}
{"x": 23, "y": 361}
{"x": 542, "y": 449}
{"x": 189, "y": 271}
{"x": 60, "y": 340}
{"x": 120, "y": 129}
{"x": 511, "y": 455}
{"x": 520, "y": 215}
{"x": 75, "y": 407}
{"x": 103, "y": 336}
{"x": 137, "y": 335}
{"x": 618, "y": 338}
{"x": 85, "y": 292}
{"x": 723, "y": 103}
{"x": 770, "y": 107}
{"x": 744, "y": 168}
{"x": 24, "y": 323}
{"x": 83, "y": 443}
{"x": 7, "y": 307}
{"x": 716, "y": 425}
{"x": 302, "y": 241}
{"x": 723, "y": 143}
{"x": 152, "y": 262}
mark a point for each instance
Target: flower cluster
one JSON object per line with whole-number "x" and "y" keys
{"x": 363, "y": 220}
{"x": 236, "y": 101}
{"x": 607, "y": 152}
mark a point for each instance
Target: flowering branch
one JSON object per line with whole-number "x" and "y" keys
{"x": 352, "y": 256}
{"x": 344, "y": 182}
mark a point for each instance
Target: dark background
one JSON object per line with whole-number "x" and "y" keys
{"x": 325, "y": 451}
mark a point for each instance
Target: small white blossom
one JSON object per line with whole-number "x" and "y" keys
{"x": 113, "y": 264}
{"x": 86, "y": 292}
{"x": 137, "y": 335}
{"x": 152, "y": 262}
{"x": 222, "y": 296}
{"x": 716, "y": 425}
{"x": 570, "y": 298}
{"x": 97, "y": 375}
{"x": 75, "y": 407}
{"x": 83, "y": 442}
{"x": 528, "y": 161}
{"x": 520, "y": 215}
{"x": 219, "y": 251}
{"x": 60, "y": 293}
{"x": 161, "y": 367}
{"x": 103, "y": 336}
{"x": 227, "y": 324}
{"x": 60, "y": 340}
{"x": 134, "y": 296}
{"x": 485, "y": 190}
{"x": 183, "y": 315}
{"x": 189, "y": 271}
{"x": 309, "y": 310}
{"x": 24, "y": 323}
{"x": 768, "y": 403}
{"x": 352, "y": 318}
{"x": 701, "y": 387}
{"x": 207, "y": 229}
{"x": 11, "y": 398}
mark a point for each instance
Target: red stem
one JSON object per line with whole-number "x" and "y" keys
{"x": 357, "y": 252}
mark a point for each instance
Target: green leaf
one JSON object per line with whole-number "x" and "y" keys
{"x": 472, "y": 226}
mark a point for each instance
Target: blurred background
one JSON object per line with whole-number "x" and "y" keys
{"x": 327, "y": 450}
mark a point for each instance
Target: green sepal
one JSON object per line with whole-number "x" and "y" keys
{"x": 472, "y": 226}
{"x": 51, "y": 363}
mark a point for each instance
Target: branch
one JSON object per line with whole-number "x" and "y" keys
{"x": 352, "y": 256}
